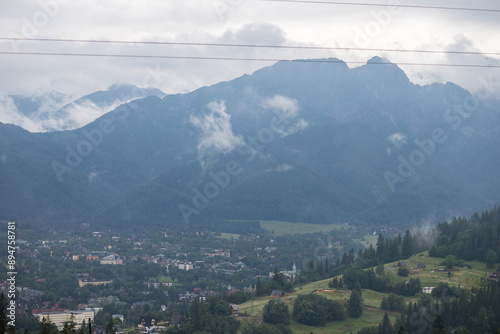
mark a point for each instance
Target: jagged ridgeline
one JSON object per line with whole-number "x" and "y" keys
{"x": 313, "y": 142}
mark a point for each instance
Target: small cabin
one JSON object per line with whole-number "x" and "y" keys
{"x": 235, "y": 310}
{"x": 277, "y": 293}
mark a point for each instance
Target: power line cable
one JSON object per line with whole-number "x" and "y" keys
{"x": 387, "y": 5}
{"x": 248, "y": 45}
{"x": 239, "y": 59}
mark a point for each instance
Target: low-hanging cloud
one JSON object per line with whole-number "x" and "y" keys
{"x": 284, "y": 167}
{"x": 11, "y": 115}
{"x": 56, "y": 112}
{"x": 216, "y": 131}
{"x": 398, "y": 139}
{"x": 287, "y": 106}
{"x": 287, "y": 110}
{"x": 81, "y": 113}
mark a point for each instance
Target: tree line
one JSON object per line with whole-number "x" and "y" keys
{"x": 452, "y": 310}
{"x": 475, "y": 238}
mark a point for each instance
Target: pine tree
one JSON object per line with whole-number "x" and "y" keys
{"x": 320, "y": 269}
{"x": 438, "y": 326}
{"x": 380, "y": 247}
{"x": 258, "y": 288}
{"x": 350, "y": 256}
{"x": 385, "y": 326}
{"x": 195, "y": 311}
{"x": 110, "y": 327}
{"x": 69, "y": 326}
{"x": 360, "y": 255}
{"x": 357, "y": 287}
{"x": 354, "y": 307}
{"x": 3, "y": 314}
{"x": 46, "y": 326}
{"x": 407, "y": 248}
{"x": 278, "y": 278}
{"x": 380, "y": 270}
{"x": 83, "y": 328}
{"x": 454, "y": 313}
{"x": 491, "y": 258}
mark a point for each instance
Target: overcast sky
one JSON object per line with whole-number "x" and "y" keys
{"x": 233, "y": 21}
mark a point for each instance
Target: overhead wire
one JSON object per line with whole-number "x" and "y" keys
{"x": 387, "y": 5}
{"x": 247, "y": 45}
{"x": 239, "y": 59}
{"x": 270, "y": 46}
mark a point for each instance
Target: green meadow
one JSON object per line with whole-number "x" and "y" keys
{"x": 372, "y": 314}
{"x": 282, "y": 228}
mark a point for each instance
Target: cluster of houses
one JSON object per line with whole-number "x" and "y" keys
{"x": 149, "y": 325}
{"x": 105, "y": 258}
{"x": 202, "y": 294}
{"x": 420, "y": 266}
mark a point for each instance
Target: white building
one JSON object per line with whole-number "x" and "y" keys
{"x": 60, "y": 317}
{"x": 427, "y": 289}
{"x": 111, "y": 259}
{"x": 185, "y": 266}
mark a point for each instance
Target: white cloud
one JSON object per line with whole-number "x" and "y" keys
{"x": 286, "y": 109}
{"x": 51, "y": 116}
{"x": 216, "y": 131}
{"x": 82, "y": 113}
{"x": 9, "y": 114}
{"x": 92, "y": 175}
{"x": 238, "y": 21}
{"x": 284, "y": 167}
{"x": 254, "y": 34}
{"x": 398, "y": 139}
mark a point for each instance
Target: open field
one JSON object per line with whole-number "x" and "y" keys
{"x": 368, "y": 240}
{"x": 372, "y": 314}
{"x": 282, "y": 228}
{"x": 431, "y": 276}
{"x": 223, "y": 235}
{"x": 350, "y": 325}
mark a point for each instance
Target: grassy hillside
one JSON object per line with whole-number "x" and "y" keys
{"x": 431, "y": 276}
{"x": 252, "y": 310}
{"x": 372, "y": 314}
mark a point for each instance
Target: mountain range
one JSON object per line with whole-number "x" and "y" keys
{"x": 309, "y": 141}
{"x": 55, "y": 111}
